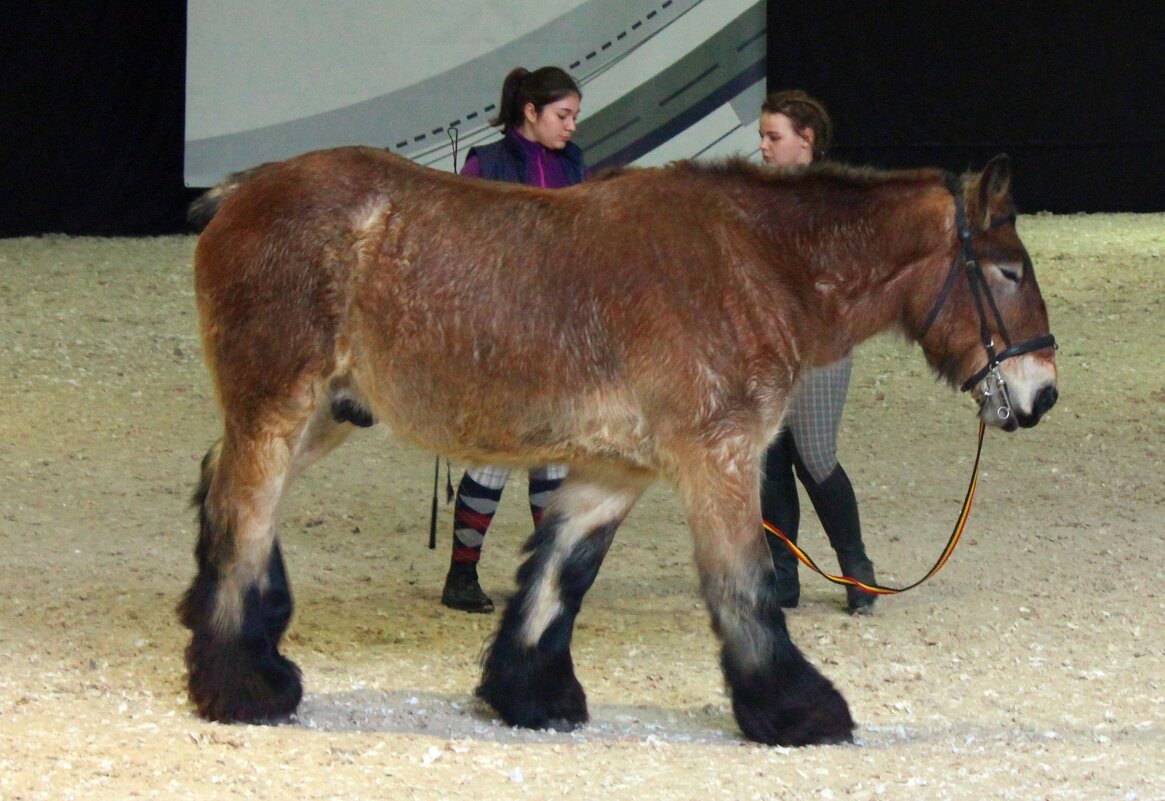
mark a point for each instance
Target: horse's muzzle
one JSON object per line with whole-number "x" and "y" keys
{"x": 1045, "y": 399}
{"x": 1005, "y": 410}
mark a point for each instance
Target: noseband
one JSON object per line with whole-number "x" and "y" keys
{"x": 983, "y": 300}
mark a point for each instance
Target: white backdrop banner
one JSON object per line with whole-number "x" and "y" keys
{"x": 661, "y": 80}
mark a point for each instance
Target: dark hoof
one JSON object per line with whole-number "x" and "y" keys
{"x": 531, "y": 688}
{"x": 788, "y": 702}
{"x": 820, "y": 717}
{"x": 234, "y": 684}
{"x": 536, "y": 702}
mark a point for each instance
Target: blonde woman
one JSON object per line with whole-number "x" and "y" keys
{"x": 796, "y": 130}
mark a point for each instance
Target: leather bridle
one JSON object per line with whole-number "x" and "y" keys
{"x": 984, "y": 300}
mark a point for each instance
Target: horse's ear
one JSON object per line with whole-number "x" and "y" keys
{"x": 994, "y": 185}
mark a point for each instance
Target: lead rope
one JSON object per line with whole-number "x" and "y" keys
{"x": 879, "y": 589}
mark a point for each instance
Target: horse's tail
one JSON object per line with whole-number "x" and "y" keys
{"x": 204, "y": 207}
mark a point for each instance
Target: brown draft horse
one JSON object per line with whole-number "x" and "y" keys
{"x": 655, "y": 319}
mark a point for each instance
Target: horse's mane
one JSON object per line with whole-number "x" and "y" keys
{"x": 610, "y": 173}
{"x": 832, "y": 172}
{"x": 739, "y": 171}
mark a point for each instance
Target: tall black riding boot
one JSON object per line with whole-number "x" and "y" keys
{"x": 780, "y": 507}
{"x": 837, "y": 507}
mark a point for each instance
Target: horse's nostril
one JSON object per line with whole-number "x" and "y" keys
{"x": 1046, "y": 399}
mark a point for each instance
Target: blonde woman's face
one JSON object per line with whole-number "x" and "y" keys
{"x": 781, "y": 145}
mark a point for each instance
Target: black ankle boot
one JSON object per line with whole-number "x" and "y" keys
{"x": 463, "y": 592}
{"x": 858, "y": 601}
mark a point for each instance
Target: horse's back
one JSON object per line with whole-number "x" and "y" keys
{"x": 435, "y": 293}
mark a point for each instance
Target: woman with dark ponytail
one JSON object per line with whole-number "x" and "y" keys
{"x": 537, "y": 113}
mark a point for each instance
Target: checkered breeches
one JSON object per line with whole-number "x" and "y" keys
{"x": 814, "y": 415}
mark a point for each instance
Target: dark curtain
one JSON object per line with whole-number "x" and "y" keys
{"x": 91, "y": 118}
{"x": 1071, "y": 90}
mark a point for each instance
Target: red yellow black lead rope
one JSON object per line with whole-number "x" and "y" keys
{"x": 956, "y": 533}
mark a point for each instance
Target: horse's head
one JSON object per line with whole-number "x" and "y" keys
{"x": 987, "y": 329}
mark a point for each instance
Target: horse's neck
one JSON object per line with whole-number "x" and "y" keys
{"x": 887, "y": 258}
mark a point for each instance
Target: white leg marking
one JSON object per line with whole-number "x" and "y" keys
{"x": 582, "y": 507}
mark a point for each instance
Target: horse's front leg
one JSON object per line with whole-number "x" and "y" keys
{"x": 778, "y": 697}
{"x": 528, "y": 675}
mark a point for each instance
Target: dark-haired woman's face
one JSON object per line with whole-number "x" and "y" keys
{"x": 554, "y": 126}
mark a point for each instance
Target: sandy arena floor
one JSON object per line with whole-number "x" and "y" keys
{"x": 1032, "y": 667}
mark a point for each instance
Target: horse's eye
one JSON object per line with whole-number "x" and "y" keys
{"x": 1010, "y": 273}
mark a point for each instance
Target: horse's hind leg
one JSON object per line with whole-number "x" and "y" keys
{"x": 528, "y": 675}
{"x": 240, "y": 603}
{"x": 778, "y": 697}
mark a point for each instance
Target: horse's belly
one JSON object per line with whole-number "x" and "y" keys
{"x": 503, "y": 419}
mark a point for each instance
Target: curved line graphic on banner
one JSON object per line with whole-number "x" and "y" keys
{"x": 414, "y": 121}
